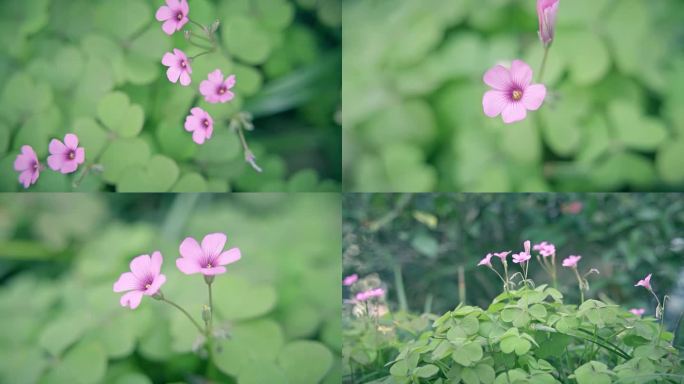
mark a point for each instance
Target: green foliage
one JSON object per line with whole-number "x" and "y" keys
{"x": 413, "y": 97}
{"x": 473, "y": 345}
{"x": 94, "y": 68}
{"x": 61, "y": 323}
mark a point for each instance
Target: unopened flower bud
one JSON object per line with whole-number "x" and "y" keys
{"x": 206, "y": 313}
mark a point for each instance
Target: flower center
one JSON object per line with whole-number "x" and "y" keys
{"x": 71, "y": 155}
{"x": 179, "y": 16}
{"x": 183, "y": 64}
{"x": 205, "y": 122}
{"x": 36, "y": 166}
{"x": 222, "y": 90}
{"x": 147, "y": 286}
{"x": 209, "y": 265}
{"x": 517, "y": 94}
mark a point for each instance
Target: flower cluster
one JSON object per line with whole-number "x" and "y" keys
{"x": 216, "y": 88}
{"x": 145, "y": 277}
{"x": 65, "y": 157}
{"x": 513, "y": 92}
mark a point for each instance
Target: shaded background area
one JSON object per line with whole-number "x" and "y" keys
{"x": 422, "y": 240}
{"x": 61, "y": 61}
{"x": 61, "y": 323}
{"x": 413, "y": 118}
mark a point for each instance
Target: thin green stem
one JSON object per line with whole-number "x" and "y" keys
{"x": 543, "y": 63}
{"x": 199, "y": 327}
{"x": 201, "y": 54}
{"x": 581, "y": 285}
{"x": 198, "y": 24}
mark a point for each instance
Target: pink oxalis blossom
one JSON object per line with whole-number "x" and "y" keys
{"x": 637, "y": 311}
{"x": 200, "y": 123}
{"x": 66, "y": 157}
{"x": 179, "y": 67}
{"x": 524, "y": 256}
{"x": 145, "y": 278}
{"x": 174, "y": 15}
{"x": 571, "y": 261}
{"x": 371, "y": 293}
{"x": 217, "y": 90}
{"x": 545, "y": 249}
{"x": 27, "y": 165}
{"x": 487, "y": 260}
{"x": 546, "y": 11}
{"x": 502, "y": 255}
{"x": 645, "y": 282}
{"x": 208, "y": 259}
{"x": 512, "y": 93}
{"x": 349, "y": 280}
{"x": 572, "y": 208}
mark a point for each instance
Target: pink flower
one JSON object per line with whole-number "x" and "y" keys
{"x": 179, "y": 67}
{"x": 209, "y": 259}
{"x": 145, "y": 278}
{"x": 27, "y": 165}
{"x": 487, "y": 260}
{"x": 65, "y": 157}
{"x": 645, "y": 282}
{"x": 215, "y": 89}
{"x": 502, "y": 255}
{"x": 545, "y": 249}
{"x": 521, "y": 257}
{"x": 349, "y": 280}
{"x": 571, "y": 261}
{"x": 546, "y": 10}
{"x": 637, "y": 311}
{"x": 174, "y": 14}
{"x": 200, "y": 124}
{"x": 512, "y": 94}
{"x": 363, "y": 296}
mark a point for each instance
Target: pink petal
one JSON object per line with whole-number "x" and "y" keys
{"x": 173, "y": 73}
{"x": 180, "y": 55}
{"x": 533, "y": 96}
{"x": 169, "y": 26}
{"x": 22, "y": 162}
{"x": 198, "y": 112}
{"x": 187, "y": 266}
{"x": 163, "y": 13}
{"x": 228, "y": 257}
{"x": 71, "y": 141}
{"x": 69, "y": 166}
{"x": 190, "y": 249}
{"x": 216, "y": 77}
{"x": 131, "y": 299}
{"x": 184, "y": 7}
{"x": 513, "y": 112}
{"x": 494, "y": 102}
{"x": 230, "y": 82}
{"x": 173, "y": 4}
{"x": 80, "y": 155}
{"x": 213, "y": 244}
{"x": 127, "y": 282}
{"x": 26, "y": 178}
{"x": 498, "y": 77}
{"x": 199, "y": 136}
{"x": 185, "y": 78}
{"x": 169, "y": 59}
{"x": 228, "y": 96}
{"x": 207, "y": 88}
{"x": 191, "y": 123}
{"x": 182, "y": 22}
{"x": 521, "y": 73}
{"x": 213, "y": 271}
{"x": 158, "y": 281}
{"x": 55, "y": 161}
{"x": 209, "y": 131}
{"x": 156, "y": 262}
{"x": 56, "y": 147}
{"x": 141, "y": 266}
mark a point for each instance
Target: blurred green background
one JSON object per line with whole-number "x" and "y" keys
{"x": 62, "y": 323}
{"x": 423, "y": 240}
{"x": 413, "y": 118}
{"x": 59, "y": 59}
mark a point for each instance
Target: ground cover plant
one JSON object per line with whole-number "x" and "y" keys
{"x": 118, "y": 289}
{"x": 156, "y": 95}
{"x": 604, "y": 80}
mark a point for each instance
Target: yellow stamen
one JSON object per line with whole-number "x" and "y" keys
{"x": 517, "y": 95}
